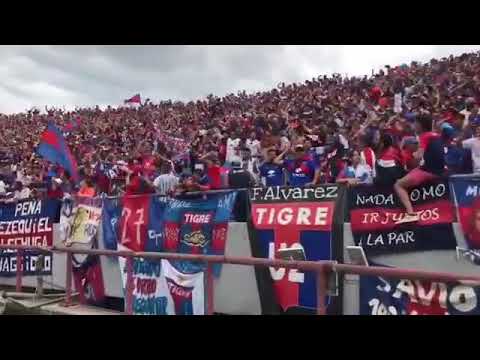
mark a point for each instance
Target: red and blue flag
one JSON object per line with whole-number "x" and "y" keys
{"x": 134, "y": 100}
{"x": 54, "y": 148}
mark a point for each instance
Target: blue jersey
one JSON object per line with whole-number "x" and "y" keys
{"x": 272, "y": 173}
{"x": 300, "y": 171}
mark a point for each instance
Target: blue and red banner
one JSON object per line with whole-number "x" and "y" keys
{"x": 198, "y": 226}
{"x": 374, "y": 212}
{"x": 296, "y": 217}
{"x": 467, "y": 194}
{"x": 54, "y": 148}
{"x": 27, "y": 223}
{"x": 153, "y": 223}
{"x": 135, "y": 222}
{"x": 382, "y": 296}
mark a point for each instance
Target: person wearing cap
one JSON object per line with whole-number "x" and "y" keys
{"x": 301, "y": 169}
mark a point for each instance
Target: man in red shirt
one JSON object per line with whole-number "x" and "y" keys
{"x": 213, "y": 170}
{"x": 375, "y": 94}
{"x": 136, "y": 183}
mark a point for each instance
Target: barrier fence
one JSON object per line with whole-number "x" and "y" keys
{"x": 322, "y": 269}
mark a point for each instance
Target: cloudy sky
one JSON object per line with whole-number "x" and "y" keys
{"x": 101, "y": 75}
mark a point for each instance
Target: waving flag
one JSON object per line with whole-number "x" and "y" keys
{"x": 134, "y": 100}
{"x": 54, "y": 148}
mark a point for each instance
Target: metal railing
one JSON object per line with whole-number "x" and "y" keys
{"x": 322, "y": 269}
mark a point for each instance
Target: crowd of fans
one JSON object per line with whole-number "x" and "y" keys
{"x": 399, "y": 127}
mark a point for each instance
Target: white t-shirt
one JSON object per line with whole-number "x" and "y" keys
{"x": 474, "y": 145}
{"x": 2, "y": 187}
{"x": 253, "y": 146}
{"x": 165, "y": 183}
{"x": 363, "y": 173}
{"x": 23, "y": 194}
{"x": 231, "y": 145}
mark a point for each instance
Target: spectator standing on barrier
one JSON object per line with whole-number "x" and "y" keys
{"x": 432, "y": 155}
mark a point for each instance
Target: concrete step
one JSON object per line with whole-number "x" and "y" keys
{"x": 76, "y": 309}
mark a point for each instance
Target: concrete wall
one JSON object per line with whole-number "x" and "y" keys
{"x": 236, "y": 291}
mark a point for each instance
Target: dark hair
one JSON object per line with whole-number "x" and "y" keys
{"x": 425, "y": 121}
{"x": 386, "y": 140}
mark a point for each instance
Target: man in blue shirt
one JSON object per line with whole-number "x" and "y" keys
{"x": 272, "y": 172}
{"x": 301, "y": 169}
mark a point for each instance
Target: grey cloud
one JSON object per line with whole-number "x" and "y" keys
{"x": 89, "y": 75}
